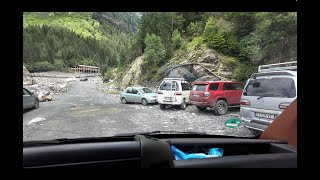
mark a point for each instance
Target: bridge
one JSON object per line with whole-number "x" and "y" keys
{"x": 86, "y": 69}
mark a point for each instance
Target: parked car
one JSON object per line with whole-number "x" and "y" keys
{"x": 218, "y": 95}
{"x": 174, "y": 91}
{"x": 266, "y": 94}
{"x": 141, "y": 95}
{"x": 30, "y": 100}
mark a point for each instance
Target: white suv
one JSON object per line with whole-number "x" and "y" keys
{"x": 266, "y": 95}
{"x": 174, "y": 91}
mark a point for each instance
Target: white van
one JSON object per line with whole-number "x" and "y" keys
{"x": 266, "y": 95}
{"x": 174, "y": 91}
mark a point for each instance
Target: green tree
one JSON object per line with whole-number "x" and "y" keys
{"x": 176, "y": 39}
{"x": 195, "y": 29}
{"x": 155, "y": 51}
{"x": 214, "y": 35}
{"x": 244, "y": 22}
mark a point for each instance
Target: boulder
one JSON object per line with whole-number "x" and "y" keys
{"x": 27, "y": 79}
{"x": 209, "y": 56}
{"x": 44, "y": 96}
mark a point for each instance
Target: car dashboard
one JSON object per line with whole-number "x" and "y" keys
{"x": 142, "y": 151}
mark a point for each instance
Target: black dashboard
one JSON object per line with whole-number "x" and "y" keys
{"x": 142, "y": 151}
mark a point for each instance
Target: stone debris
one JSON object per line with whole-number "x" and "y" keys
{"x": 47, "y": 84}
{"x": 44, "y": 96}
{"x": 84, "y": 79}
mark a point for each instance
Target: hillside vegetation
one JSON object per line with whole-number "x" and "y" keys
{"x": 248, "y": 39}
{"x": 59, "y": 40}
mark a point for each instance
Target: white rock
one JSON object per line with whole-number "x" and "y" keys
{"x": 37, "y": 119}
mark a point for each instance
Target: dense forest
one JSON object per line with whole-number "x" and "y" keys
{"x": 55, "y": 41}
{"x": 250, "y": 38}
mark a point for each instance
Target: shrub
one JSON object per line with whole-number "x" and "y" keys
{"x": 58, "y": 65}
{"x": 243, "y": 71}
{"x": 40, "y": 66}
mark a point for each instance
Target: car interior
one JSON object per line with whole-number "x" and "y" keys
{"x": 275, "y": 148}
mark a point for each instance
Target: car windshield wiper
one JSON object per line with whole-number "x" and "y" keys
{"x": 161, "y": 132}
{"x": 270, "y": 95}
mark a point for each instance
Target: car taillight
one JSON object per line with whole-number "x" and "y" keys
{"x": 160, "y": 92}
{"x": 244, "y": 102}
{"x": 283, "y": 105}
{"x": 177, "y": 93}
{"x": 206, "y": 94}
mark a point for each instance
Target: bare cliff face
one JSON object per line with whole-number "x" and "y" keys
{"x": 208, "y": 63}
{"x": 196, "y": 65}
{"x": 131, "y": 78}
{"x": 27, "y": 79}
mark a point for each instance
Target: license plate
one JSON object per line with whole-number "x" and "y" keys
{"x": 263, "y": 115}
{"x": 167, "y": 99}
{"x": 195, "y": 94}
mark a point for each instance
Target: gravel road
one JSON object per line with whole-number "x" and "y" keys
{"x": 84, "y": 111}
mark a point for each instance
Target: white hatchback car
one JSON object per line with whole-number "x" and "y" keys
{"x": 174, "y": 91}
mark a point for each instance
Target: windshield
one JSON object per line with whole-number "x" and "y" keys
{"x": 283, "y": 87}
{"x": 145, "y": 90}
{"x": 99, "y": 74}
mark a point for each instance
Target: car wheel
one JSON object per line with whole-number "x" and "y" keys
{"x": 162, "y": 106}
{"x": 221, "y": 107}
{"x": 124, "y": 101}
{"x": 183, "y": 106}
{"x": 255, "y": 132}
{"x": 36, "y": 104}
{"x": 144, "y": 102}
{"x": 201, "y": 108}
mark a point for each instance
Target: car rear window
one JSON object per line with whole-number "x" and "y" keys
{"x": 169, "y": 86}
{"x": 199, "y": 87}
{"x": 146, "y": 90}
{"x": 284, "y": 87}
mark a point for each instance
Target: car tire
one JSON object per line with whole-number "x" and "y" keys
{"x": 36, "y": 104}
{"x": 183, "y": 106}
{"x": 162, "y": 106}
{"x": 124, "y": 101}
{"x": 221, "y": 107}
{"x": 255, "y": 132}
{"x": 201, "y": 108}
{"x": 144, "y": 102}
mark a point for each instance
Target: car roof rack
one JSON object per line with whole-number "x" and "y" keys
{"x": 179, "y": 79}
{"x": 278, "y": 66}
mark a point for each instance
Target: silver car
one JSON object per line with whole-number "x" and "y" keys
{"x": 30, "y": 100}
{"x": 141, "y": 95}
{"x": 266, "y": 95}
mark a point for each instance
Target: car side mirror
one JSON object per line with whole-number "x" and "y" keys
{"x": 138, "y": 93}
{"x": 256, "y": 84}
